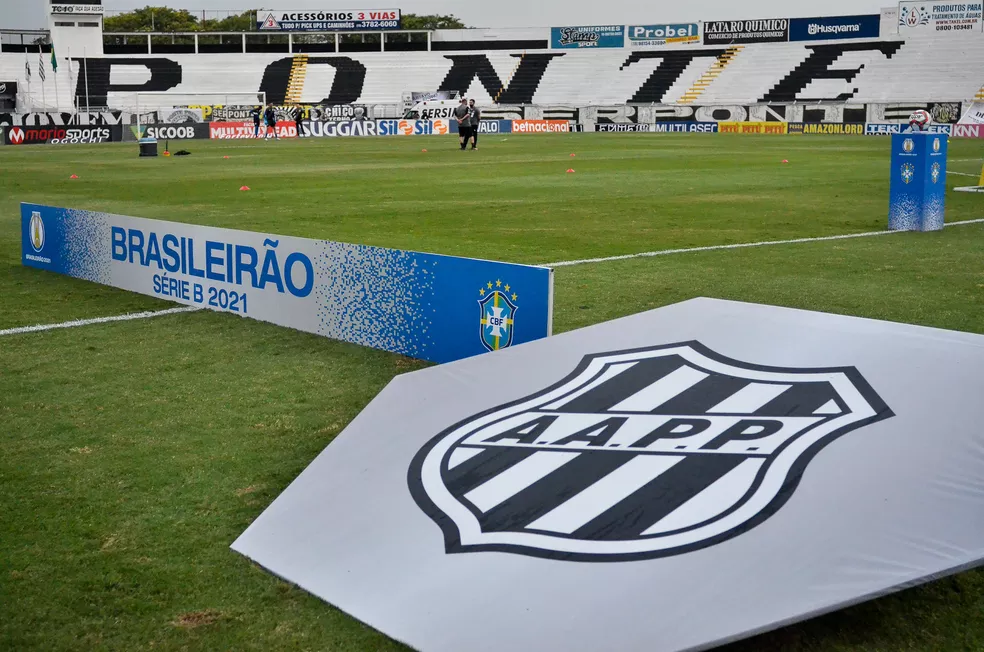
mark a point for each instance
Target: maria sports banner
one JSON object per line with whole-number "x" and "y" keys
{"x": 437, "y": 308}
{"x": 309, "y": 20}
{"x": 940, "y": 17}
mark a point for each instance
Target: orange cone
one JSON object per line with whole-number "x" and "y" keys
{"x": 570, "y": 170}
{"x": 785, "y": 161}
{"x": 573, "y": 155}
{"x": 424, "y": 151}
{"x": 74, "y": 176}
{"x": 225, "y": 157}
{"x": 244, "y": 188}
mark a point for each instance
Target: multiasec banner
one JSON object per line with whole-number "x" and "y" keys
{"x": 660, "y": 36}
{"x": 432, "y": 307}
{"x": 604, "y": 36}
{"x": 659, "y": 127}
{"x": 834, "y": 28}
{"x": 941, "y": 17}
{"x": 331, "y": 20}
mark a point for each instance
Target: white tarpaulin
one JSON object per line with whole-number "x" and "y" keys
{"x": 669, "y": 481}
{"x": 974, "y": 115}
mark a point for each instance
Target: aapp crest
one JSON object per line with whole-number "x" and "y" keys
{"x": 636, "y": 454}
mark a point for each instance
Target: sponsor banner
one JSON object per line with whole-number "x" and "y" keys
{"x": 945, "y": 112}
{"x": 488, "y": 126}
{"x": 437, "y": 308}
{"x": 603, "y": 36}
{"x": 658, "y": 36}
{"x": 191, "y": 131}
{"x": 834, "y": 28}
{"x": 753, "y": 127}
{"x": 887, "y": 129}
{"x": 241, "y": 130}
{"x": 842, "y": 129}
{"x": 308, "y": 20}
{"x": 659, "y": 128}
{"x": 968, "y": 131}
{"x": 540, "y": 126}
{"x": 82, "y": 9}
{"x": 940, "y": 17}
{"x": 244, "y": 113}
{"x": 179, "y": 115}
{"x": 62, "y": 135}
{"x": 8, "y": 89}
{"x": 725, "y": 32}
{"x": 974, "y": 114}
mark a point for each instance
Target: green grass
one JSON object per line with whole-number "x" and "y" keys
{"x": 135, "y": 453}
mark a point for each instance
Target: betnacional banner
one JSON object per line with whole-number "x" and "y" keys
{"x": 541, "y": 126}
{"x": 604, "y": 36}
{"x": 727, "y": 32}
{"x": 940, "y": 17}
{"x": 310, "y": 20}
{"x": 659, "y": 36}
{"x": 753, "y": 127}
{"x": 834, "y": 28}
{"x": 427, "y": 306}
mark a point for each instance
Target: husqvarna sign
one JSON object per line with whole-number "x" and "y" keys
{"x": 422, "y": 305}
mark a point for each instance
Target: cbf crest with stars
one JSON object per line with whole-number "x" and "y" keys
{"x": 637, "y": 454}
{"x": 497, "y": 310}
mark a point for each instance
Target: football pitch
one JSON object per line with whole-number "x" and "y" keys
{"x": 135, "y": 452}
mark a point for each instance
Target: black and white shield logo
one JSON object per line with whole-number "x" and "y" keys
{"x": 635, "y": 455}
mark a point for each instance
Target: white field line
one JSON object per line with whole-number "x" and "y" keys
{"x": 568, "y": 263}
{"x": 963, "y": 174}
{"x": 99, "y": 320}
{"x": 744, "y": 245}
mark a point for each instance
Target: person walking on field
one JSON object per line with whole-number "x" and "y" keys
{"x": 271, "y": 122}
{"x": 298, "y": 116}
{"x": 463, "y": 115}
{"x": 475, "y": 118}
{"x": 255, "y": 114}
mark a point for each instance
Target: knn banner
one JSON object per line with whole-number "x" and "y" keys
{"x": 604, "y": 36}
{"x": 659, "y": 36}
{"x": 834, "y": 28}
{"x": 940, "y": 17}
{"x": 726, "y": 32}
{"x": 427, "y": 306}
{"x": 330, "y": 20}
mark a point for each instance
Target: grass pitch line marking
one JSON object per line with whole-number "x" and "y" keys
{"x": 964, "y": 174}
{"x": 744, "y": 245}
{"x": 98, "y": 320}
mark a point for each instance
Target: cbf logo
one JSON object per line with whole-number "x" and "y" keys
{"x": 908, "y": 145}
{"x": 636, "y": 454}
{"x": 36, "y": 231}
{"x": 908, "y": 172}
{"x": 935, "y": 172}
{"x": 936, "y": 145}
{"x": 497, "y": 308}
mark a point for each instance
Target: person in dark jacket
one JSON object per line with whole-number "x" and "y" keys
{"x": 475, "y": 118}
{"x": 271, "y": 122}
{"x": 461, "y": 115}
{"x": 298, "y": 118}
{"x": 255, "y": 114}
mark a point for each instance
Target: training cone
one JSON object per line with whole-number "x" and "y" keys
{"x": 244, "y": 188}
{"x": 74, "y": 176}
{"x": 785, "y": 161}
{"x": 424, "y": 151}
{"x": 225, "y": 157}
{"x": 570, "y": 170}
{"x": 167, "y": 153}
{"x": 573, "y": 155}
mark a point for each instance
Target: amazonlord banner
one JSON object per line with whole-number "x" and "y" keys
{"x": 437, "y": 308}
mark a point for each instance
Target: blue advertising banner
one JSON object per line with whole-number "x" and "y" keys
{"x": 604, "y": 36}
{"x": 488, "y": 126}
{"x": 918, "y": 182}
{"x": 887, "y": 129}
{"x": 428, "y": 306}
{"x": 834, "y": 28}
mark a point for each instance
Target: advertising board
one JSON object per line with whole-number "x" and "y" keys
{"x": 753, "y": 127}
{"x": 887, "y": 129}
{"x": 432, "y": 307}
{"x": 601, "y": 36}
{"x": 726, "y": 32}
{"x": 541, "y": 126}
{"x": 940, "y": 17}
{"x": 835, "y": 128}
{"x": 62, "y": 135}
{"x": 659, "y": 36}
{"x": 834, "y": 28}
{"x": 329, "y": 20}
